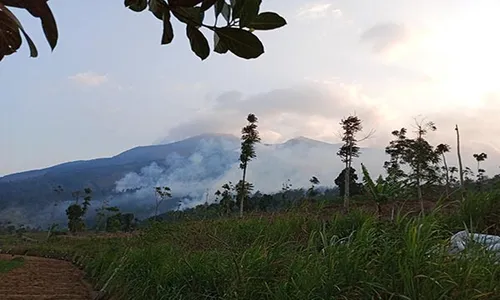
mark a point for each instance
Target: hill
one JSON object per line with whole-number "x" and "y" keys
{"x": 193, "y": 168}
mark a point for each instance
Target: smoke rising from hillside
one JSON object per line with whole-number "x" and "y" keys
{"x": 215, "y": 162}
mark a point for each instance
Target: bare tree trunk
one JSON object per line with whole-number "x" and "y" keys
{"x": 347, "y": 179}
{"x": 419, "y": 194}
{"x": 242, "y": 197}
{"x": 460, "y": 167}
{"x": 346, "y": 187}
{"x": 447, "y": 186}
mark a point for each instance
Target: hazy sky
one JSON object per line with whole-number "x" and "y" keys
{"x": 110, "y": 86}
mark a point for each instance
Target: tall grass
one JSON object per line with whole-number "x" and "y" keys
{"x": 296, "y": 257}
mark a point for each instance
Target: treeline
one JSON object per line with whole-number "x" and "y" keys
{"x": 415, "y": 170}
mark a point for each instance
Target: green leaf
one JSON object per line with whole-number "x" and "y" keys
{"x": 237, "y": 6}
{"x": 267, "y": 21}
{"x": 136, "y": 5}
{"x": 168, "y": 31}
{"x": 219, "y": 45}
{"x": 240, "y": 42}
{"x": 158, "y": 8}
{"x": 249, "y": 12}
{"x": 199, "y": 44}
{"x": 189, "y": 15}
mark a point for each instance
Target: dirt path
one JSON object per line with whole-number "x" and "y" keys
{"x": 43, "y": 278}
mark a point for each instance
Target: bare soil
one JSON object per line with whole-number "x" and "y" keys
{"x": 43, "y": 278}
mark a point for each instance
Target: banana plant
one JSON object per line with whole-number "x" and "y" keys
{"x": 381, "y": 190}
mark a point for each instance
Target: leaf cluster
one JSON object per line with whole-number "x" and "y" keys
{"x": 249, "y": 137}
{"x": 241, "y": 17}
{"x": 11, "y": 28}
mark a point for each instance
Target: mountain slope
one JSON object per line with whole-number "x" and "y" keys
{"x": 193, "y": 168}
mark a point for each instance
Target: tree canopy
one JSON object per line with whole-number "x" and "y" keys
{"x": 241, "y": 18}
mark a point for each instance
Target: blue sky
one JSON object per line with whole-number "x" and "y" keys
{"x": 109, "y": 85}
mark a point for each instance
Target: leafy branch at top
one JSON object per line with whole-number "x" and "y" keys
{"x": 11, "y": 28}
{"x": 242, "y": 18}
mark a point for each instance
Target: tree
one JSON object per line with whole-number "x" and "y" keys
{"x": 102, "y": 215}
{"x": 76, "y": 212}
{"x": 381, "y": 190}
{"x": 354, "y": 187}
{"x": 113, "y": 222}
{"x": 249, "y": 137}
{"x": 441, "y": 149}
{"x": 480, "y": 172}
{"x": 417, "y": 154}
{"x": 243, "y": 191}
{"x": 285, "y": 190}
{"x": 311, "y": 192}
{"x": 227, "y": 201}
{"x": 242, "y": 18}
{"x": 349, "y": 150}
{"x": 162, "y": 193}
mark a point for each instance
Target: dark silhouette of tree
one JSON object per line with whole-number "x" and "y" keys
{"x": 243, "y": 192}
{"x": 351, "y": 126}
{"x": 227, "y": 198}
{"x": 162, "y": 194}
{"x": 480, "y": 172}
{"x": 354, "y": 187}
{"x": 311, "y": 192}
{"x": 241, "y": 18}
{"x": 396, "y": 150}
{"x": 441, "y": 149}
{"x": 249, "y": 137}
{"x": 417, "y": 154}
{"x": 285, "y": 190}
{"x": 76, "y": 212}
{"x": 454, "y": 181}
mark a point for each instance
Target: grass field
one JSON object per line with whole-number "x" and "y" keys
{"x": 293, "y": 256}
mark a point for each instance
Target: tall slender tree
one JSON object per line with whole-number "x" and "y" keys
{"x": 162, "y": 194}
{"x": 350, "y": 126}
{"x": 249, "y": 137}
{"x": 441, "y": 149}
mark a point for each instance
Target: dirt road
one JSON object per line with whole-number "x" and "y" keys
{"x": 43, "y": 278}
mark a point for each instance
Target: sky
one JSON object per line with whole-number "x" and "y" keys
{"x": 109, "y": 85}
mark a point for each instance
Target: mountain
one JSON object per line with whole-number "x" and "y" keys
{"x": 193, "y": 168}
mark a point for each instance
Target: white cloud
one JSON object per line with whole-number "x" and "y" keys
{"x": 312, "y": 109}
{"x": 318, "y": 10}
{"x": 89, "y": 79}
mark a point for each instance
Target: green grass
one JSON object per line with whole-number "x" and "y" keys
{"x": 294, "y": 256}
{"x": 8, "y": 265}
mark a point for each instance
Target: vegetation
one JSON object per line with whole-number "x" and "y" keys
{"x": 300, "y": 243}
{"x": 8, "y": 265}
{"x": 76, "y": 212}
{"x": 294, "y": 256}
{"x": 249, "y": 137}
{"x": 241, "y": 17}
